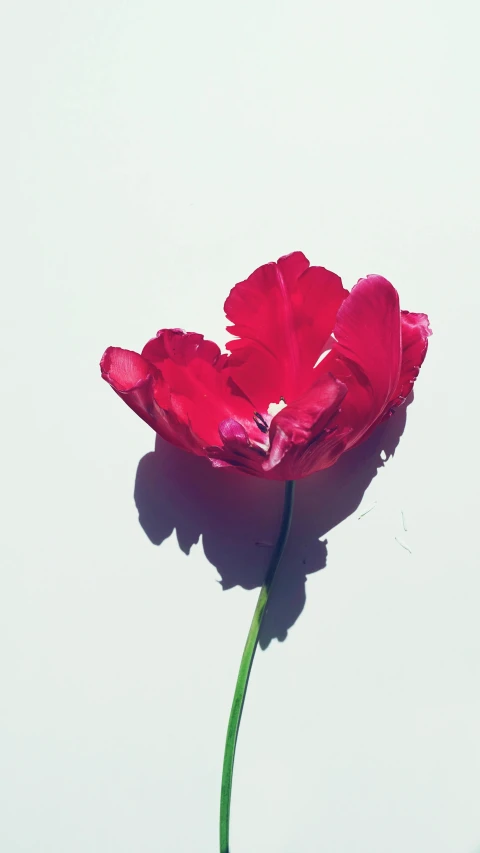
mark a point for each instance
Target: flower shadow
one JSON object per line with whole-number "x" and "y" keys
{"x": 238, "y": 516}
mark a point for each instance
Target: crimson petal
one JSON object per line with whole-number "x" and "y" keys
{"x": 132, "y": 377}
{"x": 367, "y": 352}
{"x": 415, "y": 333}
{"x": 201, "y": 391}
{"x": 140, "y": 384}
{"x": 283, "y": 314}
{"x": 302, "y": 425}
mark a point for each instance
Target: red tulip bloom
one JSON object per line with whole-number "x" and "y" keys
{"x": 311, "y": 371}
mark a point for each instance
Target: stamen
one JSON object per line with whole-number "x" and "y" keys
{"x": 260, "y": 422}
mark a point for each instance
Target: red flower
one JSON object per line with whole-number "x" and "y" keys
{"x": 311, "y": 371}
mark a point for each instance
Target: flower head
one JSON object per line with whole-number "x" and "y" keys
{"x": 311, "y": 371}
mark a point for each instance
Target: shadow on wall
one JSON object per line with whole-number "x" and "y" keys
{"x": 238, "y": 516}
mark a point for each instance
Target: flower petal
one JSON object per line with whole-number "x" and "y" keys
{"x": 124, "y": 370}
{"x": 283, "y": 314}
{"x": 180, "y": 347}
{"x": 368, "y": 333}
{"x": 415, "y": 333}
{"x": 201, "y": 391}
{"x": 237, "y": 449}
{"x": 297, "y": 427}
{"x": 367, "y": 352}
{"x": 131, "y": 377}
{"x": 141, "y": 386}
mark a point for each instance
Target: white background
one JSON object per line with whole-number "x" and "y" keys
{"x": 153, "y": 155}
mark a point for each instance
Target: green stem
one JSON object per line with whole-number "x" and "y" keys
{"x": 246, "y": 666}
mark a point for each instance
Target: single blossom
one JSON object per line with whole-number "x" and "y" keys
{"x": 311, "y": 371}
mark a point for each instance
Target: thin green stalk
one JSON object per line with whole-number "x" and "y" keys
{"x": 246, "y": 666}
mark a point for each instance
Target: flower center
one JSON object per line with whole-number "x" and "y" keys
{"x": 263, "y": 422}
{"x": 260, "y": 422}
